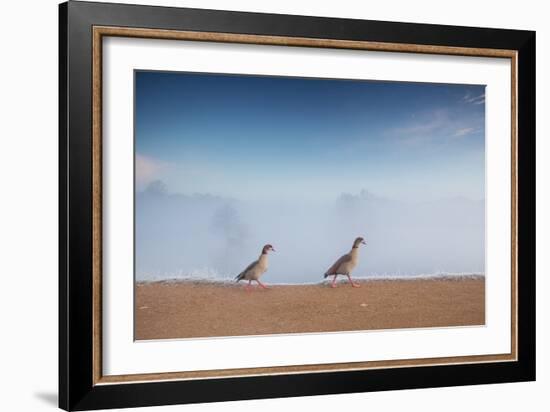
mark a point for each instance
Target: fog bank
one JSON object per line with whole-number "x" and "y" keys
{"x": 201, "y": 235}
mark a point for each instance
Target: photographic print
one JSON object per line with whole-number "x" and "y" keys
{"x": 275, "y": 205}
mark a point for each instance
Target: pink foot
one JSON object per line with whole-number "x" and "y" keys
{"x": 355, "y": 285}
{"x": 260, "y": 284}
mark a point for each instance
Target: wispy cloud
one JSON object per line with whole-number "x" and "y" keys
{"x": 422, "y": 128}
{"x": 474, "y": 99}
{"x": 464, "y": 131}
{"x": 439, "y": 125}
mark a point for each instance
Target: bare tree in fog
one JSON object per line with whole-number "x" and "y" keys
{"x": 156, "y": 187}
{"x": 227, "y": 223}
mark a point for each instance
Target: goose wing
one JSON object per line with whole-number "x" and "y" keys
{"x": 248, "y": 268}
{"x": 334, "y": 268}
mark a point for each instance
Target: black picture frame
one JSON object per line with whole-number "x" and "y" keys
{"x": 77, "y": 390}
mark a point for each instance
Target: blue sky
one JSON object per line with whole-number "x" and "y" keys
{"x": 265, "y": 138}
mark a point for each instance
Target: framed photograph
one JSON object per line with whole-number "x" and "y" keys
{"x": 256, "y": 206}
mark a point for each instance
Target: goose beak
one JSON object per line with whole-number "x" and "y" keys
{"x": 363, "y": 242}
{"x": 273, "y": 250}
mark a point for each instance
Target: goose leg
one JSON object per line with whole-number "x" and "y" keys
{"x": 355, "y": 285}
{"x": 333, "y": 284}
{"x": 247, "y": 286}
{"x": 261, "y": 284}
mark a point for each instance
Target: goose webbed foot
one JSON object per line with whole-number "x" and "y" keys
{"x": 353, "y": 284}
{"x": 260, "y": 284}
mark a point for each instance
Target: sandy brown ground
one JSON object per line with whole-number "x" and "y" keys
{"x": 185, "y": 310}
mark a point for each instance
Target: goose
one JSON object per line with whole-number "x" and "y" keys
{"x": 346, "y": 264}
{"x": 256, "y": 269}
